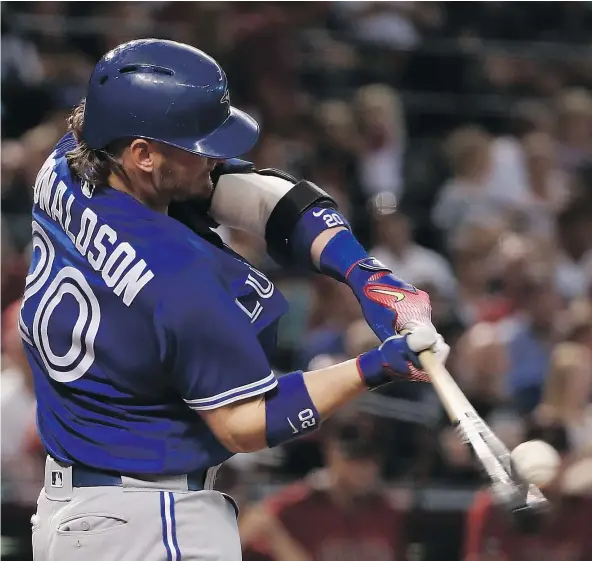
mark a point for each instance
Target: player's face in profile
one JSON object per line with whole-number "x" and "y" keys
{"x": 184, "y": 175}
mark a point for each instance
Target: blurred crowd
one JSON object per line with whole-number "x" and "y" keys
{"x": 457, "y": 139}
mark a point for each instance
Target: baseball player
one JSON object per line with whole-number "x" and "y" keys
{"x": 149, "y": 339}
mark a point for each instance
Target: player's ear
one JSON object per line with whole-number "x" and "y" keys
{"x": 142, "y": 154}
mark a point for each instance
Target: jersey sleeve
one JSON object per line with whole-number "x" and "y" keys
{"x": 212, "y": 350}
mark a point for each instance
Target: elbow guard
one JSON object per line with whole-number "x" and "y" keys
{"x": 268, "y": 203}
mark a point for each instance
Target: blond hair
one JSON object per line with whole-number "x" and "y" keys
{"x": 387, "y": 99}
{"x": 463, "y": 144}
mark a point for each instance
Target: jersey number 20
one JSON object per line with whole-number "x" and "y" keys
{"x": 68, "y": 280}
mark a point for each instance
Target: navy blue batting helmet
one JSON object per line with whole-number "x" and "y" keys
{"x": 165, "y": 91}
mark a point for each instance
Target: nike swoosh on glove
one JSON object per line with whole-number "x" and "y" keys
{"x": 389, "y": 304}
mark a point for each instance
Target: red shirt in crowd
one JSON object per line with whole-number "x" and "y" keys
{"x": 567, "y": 537}
{"x": 369, "y": 530}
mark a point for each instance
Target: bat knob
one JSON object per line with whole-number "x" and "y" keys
{"x": 531, "y": 516}
{"x": 529, "y": 520}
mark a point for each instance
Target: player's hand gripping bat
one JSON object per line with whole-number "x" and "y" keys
{"x": 524, "y": 501}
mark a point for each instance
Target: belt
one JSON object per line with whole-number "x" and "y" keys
{"x": 86, "y": 477}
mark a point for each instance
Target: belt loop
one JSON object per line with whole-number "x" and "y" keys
{"x": 57, "y": 481}
{"x": 210, "y": 479}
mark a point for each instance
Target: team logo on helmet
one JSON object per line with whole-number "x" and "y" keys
{"x": 225, "y": 98}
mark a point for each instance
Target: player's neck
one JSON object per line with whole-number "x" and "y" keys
{"x": 124, "y": 186}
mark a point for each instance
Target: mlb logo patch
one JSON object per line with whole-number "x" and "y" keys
{"x": 57, "y": 478}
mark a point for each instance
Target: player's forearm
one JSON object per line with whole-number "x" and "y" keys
{"x": 296, "y": 218}
{"x": 320, "y": 242}
{"x": 242, "y": 426}
{"x": 333, "y": 387}
{"x": 300, "y": 401}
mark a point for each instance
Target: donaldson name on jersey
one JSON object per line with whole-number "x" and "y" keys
{"x": 131, "y": 320}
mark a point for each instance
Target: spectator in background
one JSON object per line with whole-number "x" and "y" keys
{"x": 383, "y": 137}
{"x": 547, "y": 186}
{"x": 27, "y": 156}
{"x": 564, "y": 536}
{"x": 573, "y": 273}
{"x": 22, "y": 463}
{"x": 453, "y": 464}
{"x": 578, "y": 327}
{"x": 472, "y": 252}
{"x": 333, "y": 308}
{"x": 575, "y": 129}
{"x": 331, "y": 171}
{"x": 483, "y": 364}
{"x": 387, "y": 24}
{"x": 273, "y": 152}
{"x": 530, "y": 344}
{"x": 337, "y": 120}
{"x": 13, "y": 270}
{"x": 359, "y": 338}
{"x": 489, "y": 535}
{"x": 567, "y": 395}
{"x": 580, "y": 185}
{"x": 396, "y": 249}
{"x": 509, "y": 176}
{"x": 16, "y": 194}
{"x": 465, "y": 196}
{"x": 512, "y": 261}
{"x": 21, "y": 61}
{"x": 129, "y": 21}
{"x": 341, "y": 512}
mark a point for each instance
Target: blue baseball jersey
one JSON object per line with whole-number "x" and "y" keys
{"x": 133, "y": 324}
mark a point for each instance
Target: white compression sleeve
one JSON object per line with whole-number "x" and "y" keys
{"x": 245, "y": 201}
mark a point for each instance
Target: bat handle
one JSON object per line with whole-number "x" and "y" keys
{"x": 448, "y": 391}
{"x": 451, "y": 396}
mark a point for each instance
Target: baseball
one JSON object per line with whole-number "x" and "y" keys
{"x": 536, "y": 461}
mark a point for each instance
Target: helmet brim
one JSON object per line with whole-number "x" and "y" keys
{"x": 233, "y": 138}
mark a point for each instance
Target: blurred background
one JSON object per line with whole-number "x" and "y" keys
{"x": 457, "y": 139}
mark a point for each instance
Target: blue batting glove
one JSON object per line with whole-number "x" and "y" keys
{"x": 389, "y": 304}
{"x": 397, "y": 357}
